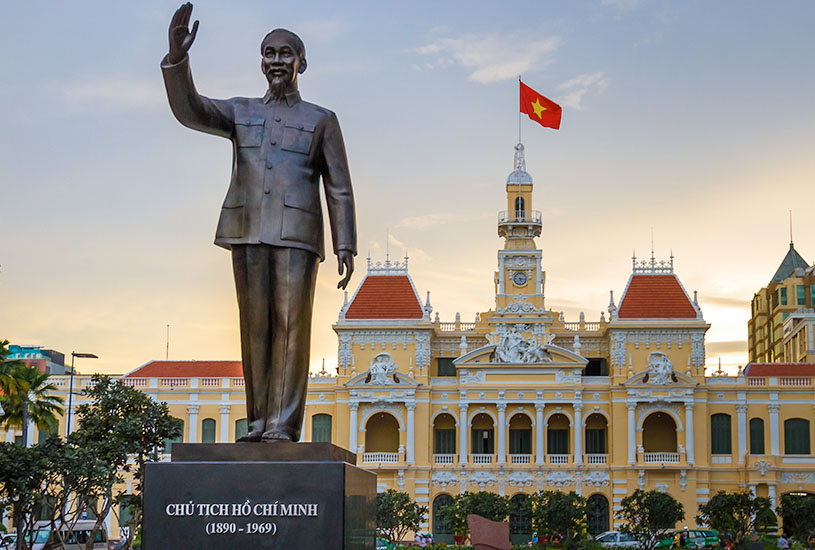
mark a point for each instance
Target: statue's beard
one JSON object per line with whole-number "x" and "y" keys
{"x": 277, "y": 89}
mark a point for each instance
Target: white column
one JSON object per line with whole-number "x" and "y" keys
{"x": 463, "y": 429}
{"x": 775, "y": 445}
{"x": 752, "y": 487}
{"x": 578, "y": 433}
{"x": 742, "y": 435}
{"x": 689, "y": 432}
{"x": 771, "y": 494}
{"x": 225, "y": 423}
{"x": 9, "y": 435}
{"x": 539, "y": 444}
{"x": 303, "y": 425}
{"x": 632, "y": 433}
{"x": 353, "y": 429}
{"x": 502, "y": 433}
{"x": 72, "y": 420}
{"x": 411, "y": 436}
{"x": 30, "y": 442}
{"x": 192, "y": 419}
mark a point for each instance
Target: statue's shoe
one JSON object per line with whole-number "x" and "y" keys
{"x": 276, "y": 437}
{"x": 251, "y": 437}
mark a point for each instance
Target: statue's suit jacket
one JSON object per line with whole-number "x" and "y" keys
{"x": 281, "y": 149}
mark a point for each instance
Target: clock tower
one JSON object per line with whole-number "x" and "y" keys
{"x": 519, "y": 281}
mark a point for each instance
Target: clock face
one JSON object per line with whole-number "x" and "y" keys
{"x": 519, "y": 278}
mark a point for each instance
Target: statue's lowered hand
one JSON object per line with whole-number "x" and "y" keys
{"x": 345, "y": 259}
{"x": 181, "y": 38}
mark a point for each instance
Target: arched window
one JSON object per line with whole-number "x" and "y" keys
{"x": 796, "y": 436}
{"x": 444, "y": 435}
{"x": 720, "y": 436}
{"x": 519, "y": 207}
{"x": 241, "y": 428}
{"x": 168, "y": 443}
{"x": 483, "y": 435}
{"x": 557, "y": 437}
{"x": 208, "y": 430}
{"x": 381, "y": 434}
{"x": 659, "y": 433}
{"x": 520, "y": 520}
{"x": 596, "y": 428}
{"x": 598, "y": 518}
{"x": 441, "y": 531}
{"x": 756, "y": 436}
{"x": 520, "y": 435}
{"x": 321, "y": 428}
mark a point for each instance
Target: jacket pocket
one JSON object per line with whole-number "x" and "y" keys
{"x": 249, "y": 132}
{"x": 230, "y": 224}
{"x": 297, "y": 137}
{"x": 301, "y": 218}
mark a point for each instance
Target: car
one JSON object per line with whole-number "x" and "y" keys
{"x": 695, "y": 538}
{"x": 615, "y": 538}
{"x": 8, "y": 541}
{"x": 75, "y": 539}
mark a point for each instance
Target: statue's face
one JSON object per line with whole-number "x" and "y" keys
{"x": 280, "y": 62}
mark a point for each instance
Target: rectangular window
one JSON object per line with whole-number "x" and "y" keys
{"x": 756, "y": 436}
{"x": 595, "y": 441}
{"x": 520, "y": 442}
{"x": 783, "y": 291}
{"x": 445, "y": 441}
{"x": 483, "y": 442}
{"x": 796, "y": 436}
{"x": 446, "y": 367}
{"x": 721, "y": 443}
{"x": 811, "y": 295}
{"x": 558, "y": 442}
{"x": 800, "y": 295}
{"x": 321, "y": 428}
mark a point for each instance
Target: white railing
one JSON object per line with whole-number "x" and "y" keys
{"x": 519, "y": 216}
{"x": 456, "y": 327}
{"x": 444, "y": 459}
{"x": 59, "y": 381}
{"x": 238, "y": 382}
{"x": 660, "y": 458}
{"x": 558, "y": 459}
{"x": 520, "y": 459}
{"x": 175, "y": 382}
{"x": 593, "y": 326}
{"x": 210, "y": 382}
{"x": 755, "y": 381}
{"x": 380, "y": 458}
{"x": 481, "y": 459}
{"x": 794, "y": 381}
{"x": 596, "y": 458}
{"x": 721, "y": 459}
{"x": 135, "y": 382}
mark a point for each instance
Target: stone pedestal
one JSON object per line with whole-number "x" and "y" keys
{"x": 283, "y": 496}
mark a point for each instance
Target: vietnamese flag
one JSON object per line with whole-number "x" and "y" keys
{"x": 542, "y": 110}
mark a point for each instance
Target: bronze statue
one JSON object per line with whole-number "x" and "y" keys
{"x": 272, "y": 216}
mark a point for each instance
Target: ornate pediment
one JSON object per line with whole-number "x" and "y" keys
{"x": 555, "y": 357}
{"x": 382, "y": 372}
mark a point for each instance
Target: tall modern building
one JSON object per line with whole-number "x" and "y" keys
{"x": 782, "y": 322}
{"x": 519, "y": 399}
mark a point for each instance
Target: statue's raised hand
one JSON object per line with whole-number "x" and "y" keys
{"x": 181, "y": 38}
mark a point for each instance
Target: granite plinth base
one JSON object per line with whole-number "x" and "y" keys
{"x": 283, "y": 496}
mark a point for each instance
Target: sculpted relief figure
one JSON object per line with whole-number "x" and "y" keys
{"x": 271, "y": 219}
{"x": 660, "y": 369}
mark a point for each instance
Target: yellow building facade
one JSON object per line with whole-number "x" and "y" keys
{"x": 520, "y": 399}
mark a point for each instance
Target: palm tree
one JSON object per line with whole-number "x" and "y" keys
{"x": 25, "y": 387}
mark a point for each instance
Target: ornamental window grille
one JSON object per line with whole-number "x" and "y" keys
{"x": 597, "y": 514}
{"x": 442, "y": 532}
{"x": 756, "y": 436}
{"x": 520, "y": 520}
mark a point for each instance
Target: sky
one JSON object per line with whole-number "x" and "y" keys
{"x": 692, "y": 121}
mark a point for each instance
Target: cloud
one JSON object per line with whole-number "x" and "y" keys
{"x": 621, "y": 4}
{"x": 578, "y": 86}
{"x": 725, "y": 301}
{"x": 726, "y": 348}
{"x": 111, "y": 91}
{"x": 322, "y": 29}
{"x": 395, "y": 249}
{"x": 439, "y": 218}
{"x": 489, "y": 57}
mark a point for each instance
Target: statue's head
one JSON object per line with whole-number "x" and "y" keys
{"x": 283, "y": 58}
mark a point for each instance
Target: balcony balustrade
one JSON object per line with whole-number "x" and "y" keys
{"x": 721, "y": 459}
{"x": 520, "y": 459}
{"x": 444, "y": 459}
{"x": 559, "y": 459}
{"x": 380, "y": 458}
{"x": 519, "y": 216}
{"x": 595, "y": 458}
{"x": 481, "y": 459}
{"x": 660, "y": 458}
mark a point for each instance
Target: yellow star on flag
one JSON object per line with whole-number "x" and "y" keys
{"x": 539, "y": 109}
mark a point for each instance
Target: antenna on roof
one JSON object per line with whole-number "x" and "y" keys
{"x": 790, "y": 227}
{"x": 167, "y": 356}
{"x": 387, "y": 244}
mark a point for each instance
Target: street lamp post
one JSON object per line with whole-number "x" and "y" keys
{"x": 71, "y": 387}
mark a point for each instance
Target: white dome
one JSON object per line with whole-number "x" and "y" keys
{"x": 519, "y": 177}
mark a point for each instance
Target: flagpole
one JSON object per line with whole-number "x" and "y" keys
{"x": 519, "y": 109}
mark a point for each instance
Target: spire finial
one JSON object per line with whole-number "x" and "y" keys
{"x": 520, "y": 160}
{"x": 791, "y": 228}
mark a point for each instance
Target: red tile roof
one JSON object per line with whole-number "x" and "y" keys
{"x": 655, "y": 297}
{"x": 780, "y": 369}
{"x": 385, "y": 297}
{"x": 188, "y": 369}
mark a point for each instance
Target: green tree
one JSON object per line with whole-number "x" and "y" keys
{"x": 25, "y": 387}
{"x": 738, "y": 514}
{"x": 488, "y": 505}
{"x": 797, "y": 513}
{"x": 397, "y": 514}
{"x": 564, "y": 514}
{"x": 122, "y": 429}
{"x": 23, "y": 471}
{"x": 649, "y": 515}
